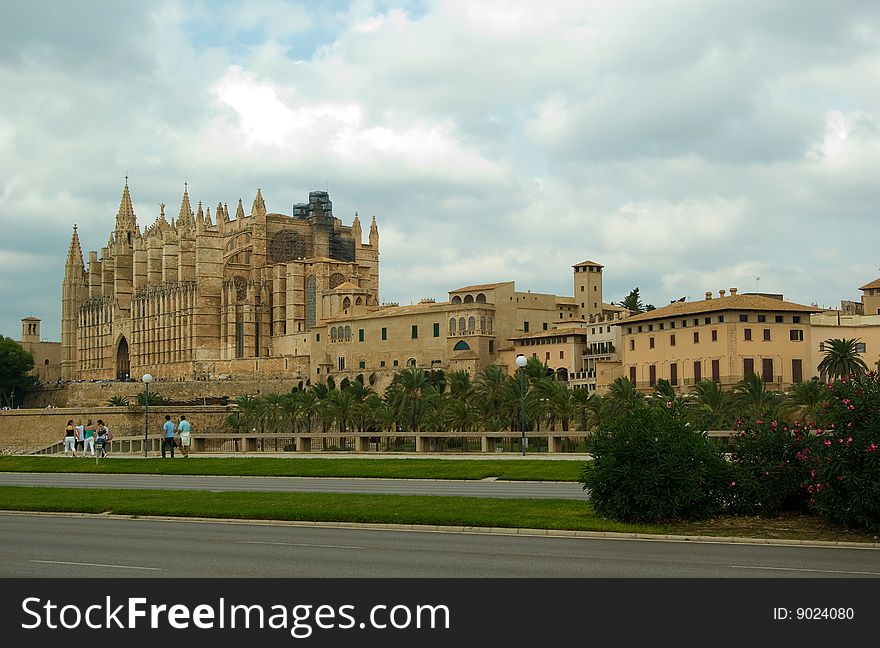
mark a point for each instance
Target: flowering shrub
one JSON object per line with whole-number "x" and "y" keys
{"x": 648, "y": 465}
{"x": 841, "y": 456}
{"x": 766, "y": 474}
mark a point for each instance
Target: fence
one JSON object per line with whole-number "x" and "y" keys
{"x": 318, "y": 442}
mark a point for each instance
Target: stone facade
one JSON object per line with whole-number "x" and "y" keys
{"x": 198, "y": 298}
{"x": 267, "y": 295}
{"x": 47, "y": 355}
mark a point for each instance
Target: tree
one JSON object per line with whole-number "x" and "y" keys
{"x": 118, "y": 401}
{"x": 633, "y": 301}
{"x": 810, "y": 396}
{"x": 622, "y": 397}
{"x": 841, "y": 359}
{"x": 15, "y": 365}
{"x": 712, "y": 407}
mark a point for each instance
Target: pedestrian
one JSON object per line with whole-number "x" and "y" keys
{"x": 185, "y": 437}
{"x": 103, "y": 438}
{"x": 168, "y": 439}
{"x": 70, "y": 439}
{"x": 89, "y": 438}
{"x": 80, "y": 437}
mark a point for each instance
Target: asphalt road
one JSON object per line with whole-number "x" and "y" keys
{"x": 96, "y": 546}
{"x": 483, "y": 488}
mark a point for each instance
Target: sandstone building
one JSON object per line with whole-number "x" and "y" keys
{"x": 294, "y": 296}
{"x": 47, "y": 355}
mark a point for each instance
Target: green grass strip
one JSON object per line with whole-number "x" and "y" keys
{"x": 532, "y": 470}
{"x": 321, "y": 507}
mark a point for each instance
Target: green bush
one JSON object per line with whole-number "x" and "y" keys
{"x": 842, "y": 456}
{"x": 649, "y": 465}
{"x": 765, "y": 474}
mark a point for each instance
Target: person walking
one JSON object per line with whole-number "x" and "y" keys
{"x": 80, "y": 437}
{"x": 168, "y": 439}
{"x": 89, "y": 438}
{"x": 70, "y": 439}
{"x": 185, "y": 437}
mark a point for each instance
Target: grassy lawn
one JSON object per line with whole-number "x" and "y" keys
{"x": 537, "y": 470}
{"x": 322, "y": 507}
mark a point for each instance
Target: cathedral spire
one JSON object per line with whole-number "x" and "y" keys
{"x": 208, "y": 222}
{"x": 126, "y": 221}
{"x": 356, "y": 230}
{"x": 74, "y": 254}
{"x": 185, "y": 217}
{"x": 259, "y": 207}
{"x": 374, "y": 233}
{"x": 239, "y": 213}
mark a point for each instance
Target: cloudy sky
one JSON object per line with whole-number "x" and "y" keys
{"x": 686, "y": 145}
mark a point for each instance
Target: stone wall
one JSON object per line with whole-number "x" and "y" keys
{"x": 96, "y": 394}
{"x": 27, "y": 430}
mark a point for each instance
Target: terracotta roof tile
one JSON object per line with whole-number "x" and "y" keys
{"x": 730, "y": 302}
{"x": 870, "y": 286}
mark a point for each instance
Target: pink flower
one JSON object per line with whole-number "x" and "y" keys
{"x": 833, "y": 425}
{"x": 840, "y": 440}
{"x": 848, "y": 440}
{"x": 818, "y": 488}
{"x": 773, "y": 425}
{"x": 852, "y": 407}
{"x": 849, "y": 425}
{"x": 872, "y": 447}
{"x": 733, "y": 483}
{"x": 827, "y": 442}
{"x": 810, "y": 488}
{"x": 813, "y": 474}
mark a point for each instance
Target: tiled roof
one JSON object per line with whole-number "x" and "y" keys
{"x": 872, "y": 285}
{"x": 588, "y": 263}
{"x": 730, "y": 302}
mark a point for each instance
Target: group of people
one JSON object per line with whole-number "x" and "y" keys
{"x": 91, "y": 438}
{"x": 176, "y": 437}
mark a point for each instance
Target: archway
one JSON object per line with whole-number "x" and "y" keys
{"x": 123, "y": 367}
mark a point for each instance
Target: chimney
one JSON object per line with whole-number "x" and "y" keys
{"x": 708, "y": 294}
{"x": 732, "y": 292}
{"x": 721, "y": 293}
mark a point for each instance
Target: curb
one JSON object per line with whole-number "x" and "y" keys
{"x": 550, "y": 533}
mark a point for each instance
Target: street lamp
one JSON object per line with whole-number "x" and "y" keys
{"x": 147, "y": 378}
{"x": 521, "y": 362}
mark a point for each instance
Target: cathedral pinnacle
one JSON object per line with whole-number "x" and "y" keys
{"x": 74, "y": 253}
{"x": 239, "y": 213}
{"x": 126, "y": 221}
{"x": 185, "y": 217}
{"x": 259, "y": 207}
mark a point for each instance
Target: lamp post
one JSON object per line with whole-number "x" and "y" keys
{"x": 147, "y": 379}
{"x": 521, "y": 362}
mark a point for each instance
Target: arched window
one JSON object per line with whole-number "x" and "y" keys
{"x": 468, "y": 299}
{"x": 411, "y": 362}
{"x": 481, "y": 298}
{"x": 489, "y": 323}
{"x": 358, "y": 301}
{"x": 332, "y": 334}
{"x": 461, "y": 345}
{"x": 347, "y": 333}
{"x": 346, "y": 303}
{"x": 310, "y": 301}
{"x": 340, "y": 332}
{"x": 472, "y": 322}
{"x": 451, "y": 326}
{"x": 462, "y": 326}
{"x": 456, "y": 300}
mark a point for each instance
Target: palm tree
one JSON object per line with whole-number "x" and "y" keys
{"x": 842, "y": 359}
{"x": 272, "y": 410}
{"x": 249, "y": 407}
{"x": 587, "y": 406}
{"x": 753, "y": 400}
{"x": 489, "y": 392}
{"x": 711, "y": 407}
{"x": 233, "y": 422}
{"x": 120, "y": 401}
{"x": 341, "y": 406}
{"x": 622, "y": 397}
{"x": 414, "y": 386}
{"x": 810, "y": 397}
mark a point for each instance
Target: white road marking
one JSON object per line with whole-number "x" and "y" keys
{"x": 61, "y": 562}
{"x": 801, "y": 569}
{"x": 299, "y": 544}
